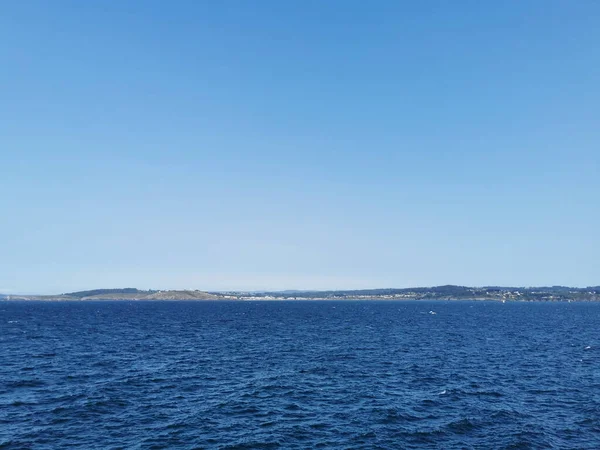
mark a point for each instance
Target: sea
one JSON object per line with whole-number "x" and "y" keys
{"x": 299, "y": 375}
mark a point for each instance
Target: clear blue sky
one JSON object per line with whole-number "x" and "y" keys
{"x": 298, "y": 144}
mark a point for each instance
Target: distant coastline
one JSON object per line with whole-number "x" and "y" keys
{"x": 447, "y": 292}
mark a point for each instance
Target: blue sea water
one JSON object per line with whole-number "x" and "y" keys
{"x": 267, "y": 375}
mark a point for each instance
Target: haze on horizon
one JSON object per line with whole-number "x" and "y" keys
{"x": 298, "y": 145}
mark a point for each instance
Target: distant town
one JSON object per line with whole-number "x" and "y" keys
{"x": 447, "y": 292}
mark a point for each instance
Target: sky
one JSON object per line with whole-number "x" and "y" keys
{"x": 239, "y": 145}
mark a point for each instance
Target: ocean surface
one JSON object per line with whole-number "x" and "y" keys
{"x": 267, "y": 375}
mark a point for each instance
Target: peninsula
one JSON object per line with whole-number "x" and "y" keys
{"x": 447, "y": 292}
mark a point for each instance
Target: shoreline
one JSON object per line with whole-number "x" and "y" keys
{"x": 21, "y": 299}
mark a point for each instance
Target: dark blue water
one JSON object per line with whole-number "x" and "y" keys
{"x": 299, "y": 375}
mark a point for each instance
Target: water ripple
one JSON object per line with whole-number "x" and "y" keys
{"x": 298, "y": 375}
